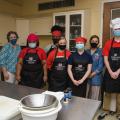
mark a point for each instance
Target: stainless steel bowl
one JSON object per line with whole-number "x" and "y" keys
{"x": 39, "y": 102}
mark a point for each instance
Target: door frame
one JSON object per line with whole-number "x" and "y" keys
{"x": 101, "y": 16}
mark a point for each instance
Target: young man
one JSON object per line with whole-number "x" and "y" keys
{"x": 56, "y": 32}
{"x": 111, "y": 53}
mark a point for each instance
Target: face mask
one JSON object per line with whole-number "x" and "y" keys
{"x": 80, "y": 46}
{"x": 62, "y": 47}
{"x": 116, "y": 33}
{"x": 13, "y": 41}
{"x": 93, "y": 45}
{"x": 32, "y": 45}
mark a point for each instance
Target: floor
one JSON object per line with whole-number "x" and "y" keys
{"x": 107, "y": 117}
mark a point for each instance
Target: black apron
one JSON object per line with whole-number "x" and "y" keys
{"x": 79, "y": 68}
{"x": 32, "y": 71}
{"x": 112, "y": 85}
{"x": 58, "y": 76}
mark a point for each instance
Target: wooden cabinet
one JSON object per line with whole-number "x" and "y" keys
{"x": 22, "y": 28}
{"x": 41, "y": 26}
{"x": 73, "y": 24}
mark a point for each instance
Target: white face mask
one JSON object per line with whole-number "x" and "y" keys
{"x": 32, "y": 45}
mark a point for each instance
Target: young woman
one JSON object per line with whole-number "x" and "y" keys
{"x": 95, "y": 80}
{"x": 31, "y": 67}
{"x": 57, "y": 65}
{"x": 79, "y": 68}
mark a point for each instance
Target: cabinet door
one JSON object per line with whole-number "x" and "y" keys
{"x": 61, "y": 21}
{"x": 22, "y": 28}
{"x": 75, "y": 25}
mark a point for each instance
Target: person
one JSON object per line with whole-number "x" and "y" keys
{"x": 111, "y": 53}
{"x": 57, "y": 65}
{"x": 79, "y": 68}
{"x": 8, "y": 57}
{"x": 95, "y": 78}
{"x": 31, "y": 66}
{"x": 56, "y": 32}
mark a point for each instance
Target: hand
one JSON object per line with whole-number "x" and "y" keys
{"x": 75, "y": 82}
{"x": 6, "y": 75}
{"x": 45, "y": 78}
{"x": 118, "y": 72}
{"x": 114, "y": 75}
{"x": 18, "y": 77}
{"x": 92, "y": 74}
{"x": 81, "y": 81}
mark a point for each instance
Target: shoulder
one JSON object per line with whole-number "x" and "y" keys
{"x": 108, "y": 42}
{"x": 40, "y": 50}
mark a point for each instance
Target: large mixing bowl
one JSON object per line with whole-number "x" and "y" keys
{"x": 39, "y": 102}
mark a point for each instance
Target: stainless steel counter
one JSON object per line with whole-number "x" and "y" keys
{"x": 77, "y": 109}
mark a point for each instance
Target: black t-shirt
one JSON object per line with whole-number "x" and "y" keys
{"x": 82, "y": 57}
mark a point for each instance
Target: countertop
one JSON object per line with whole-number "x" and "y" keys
{"x": 77, "y": 109}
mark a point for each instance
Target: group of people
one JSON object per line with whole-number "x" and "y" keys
{"x": 82, "y": 70}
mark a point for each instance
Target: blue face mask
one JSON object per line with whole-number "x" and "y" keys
{"x": 13, "y": 41}
{"x": 116, "y": 33}
{"x": 80, "y": 46}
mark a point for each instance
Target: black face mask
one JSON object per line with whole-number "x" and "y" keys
{"x": 93, "y": 45}
{"x": 62, "y": 47}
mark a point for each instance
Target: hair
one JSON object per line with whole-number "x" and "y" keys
{"x": 62, "y": 37}
{"x": 94, "y": 36}
{"x": 11, "y": 32}
{"x": 56, "y": 27}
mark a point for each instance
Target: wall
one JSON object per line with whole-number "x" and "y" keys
{"x": 8, "y": 14}
{"x": 30, "y": 9}
{"x": 93, "y": 8}
{"x": 7, "y": 23}
{"x": 10, "y": 8}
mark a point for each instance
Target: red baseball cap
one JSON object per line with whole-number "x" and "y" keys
{"x": 80, "y": 39}
{"x": 32, "y": 37}
{"x": 56, "y": 33}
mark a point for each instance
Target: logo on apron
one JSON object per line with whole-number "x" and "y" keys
{"x": 31, "y": 60}
{"x": 79, "y": 68}
{"x": 60, "y": 66}
{"x": 115, "y": 57}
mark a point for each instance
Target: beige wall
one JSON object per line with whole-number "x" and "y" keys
{"x": 8, "y": 14}
{"x": 93, "y": 8}
{"x": 10, "y": 8}
{"x": 7, "y": 23}
{"x": 30, "y": 11}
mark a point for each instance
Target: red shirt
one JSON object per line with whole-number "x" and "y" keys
{"x": 51, "y": 57}
{"x": 41, "y": 53}
{"x": 107, "y": 47}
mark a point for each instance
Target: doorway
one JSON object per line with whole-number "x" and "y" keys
{"x": 111, "y": 10}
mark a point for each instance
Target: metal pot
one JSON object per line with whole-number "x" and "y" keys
{"x": 39, "y": 102}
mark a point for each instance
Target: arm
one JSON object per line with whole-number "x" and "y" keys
{"x": 99, "y": 67}
{"x": 5, "y": 73}
{"x": 89, "y": 67}
{"x": 45, "y": 70}
{"x": 18, "y": 69}
{"x": 75, "y": 82}
{"x": 3, "y": 57}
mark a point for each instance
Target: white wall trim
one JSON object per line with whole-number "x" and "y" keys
{"x": 101, "y": 16}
